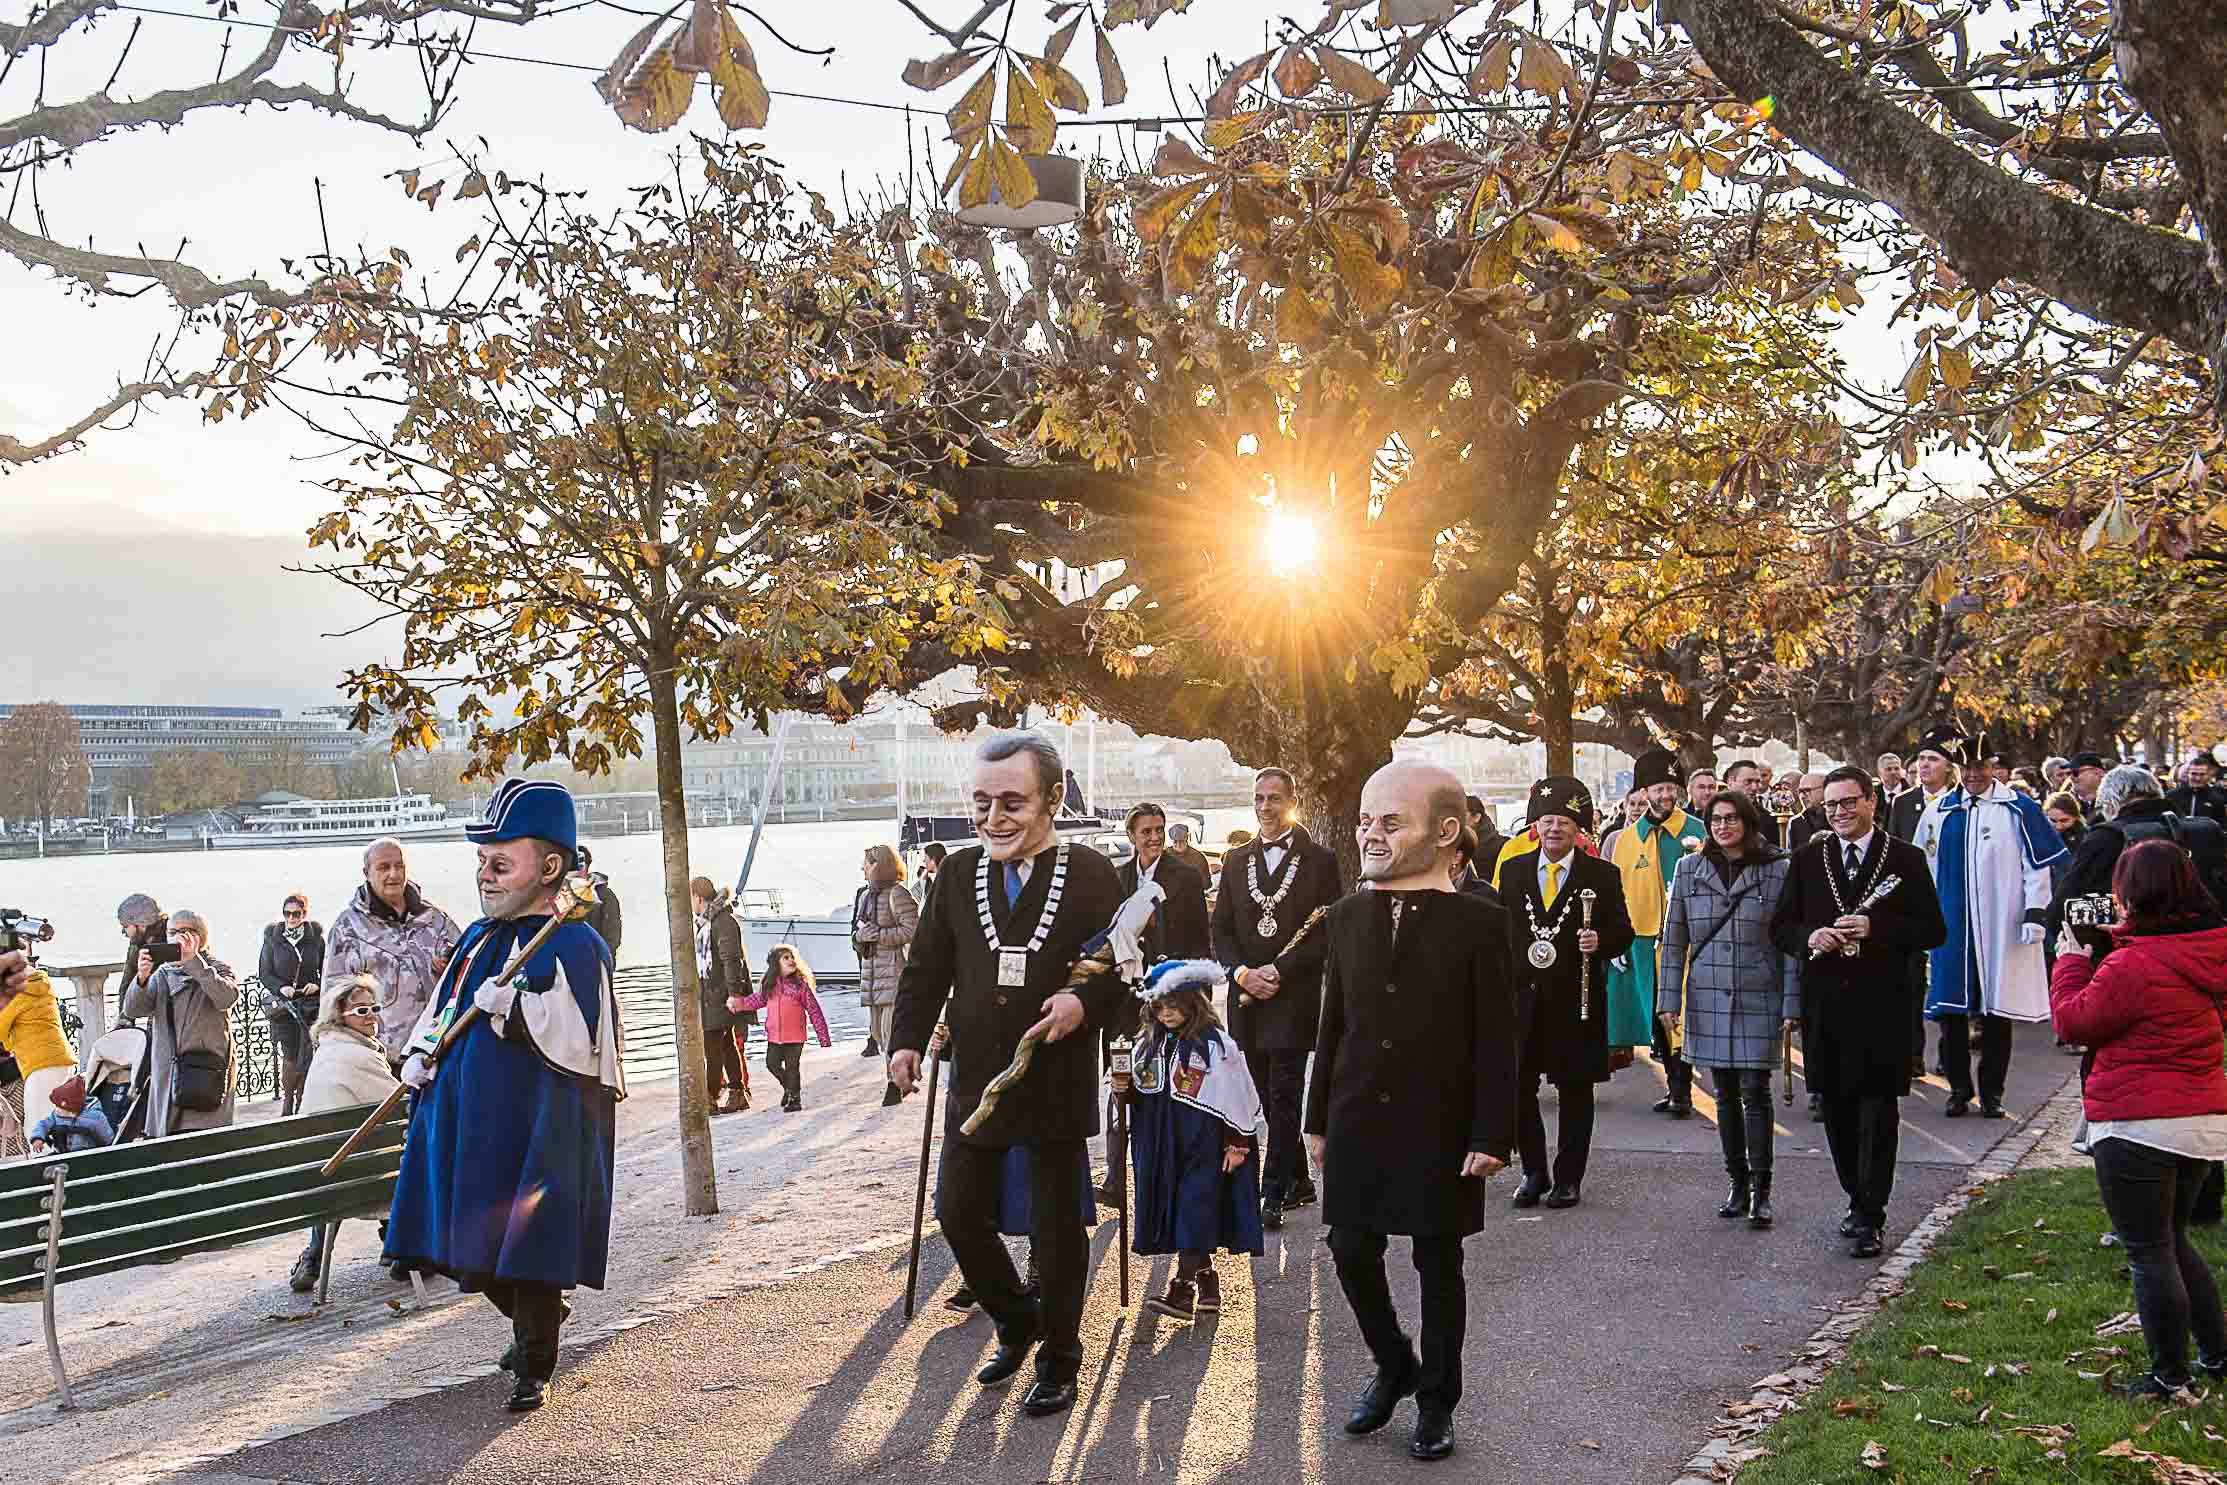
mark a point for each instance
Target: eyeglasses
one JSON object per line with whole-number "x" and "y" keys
{"x": 1842, "y": 806}
{"x": 361, "y": 1010}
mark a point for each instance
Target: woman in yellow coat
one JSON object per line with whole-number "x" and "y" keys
{"x": 31, "y": 1033}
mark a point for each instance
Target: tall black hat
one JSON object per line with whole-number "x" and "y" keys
{"x": 1558, "y": 794}
{"x": 1950, "y": 742}
{"x": 1656, "y": 766}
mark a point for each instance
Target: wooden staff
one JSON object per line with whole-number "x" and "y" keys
{"x": 920, "y": 1191}
{"x": 1291, "y": 943}
{"x": 1786, "y": 1066}
{"x": 575, "y": 900}
{"x": 1089, "y": 967}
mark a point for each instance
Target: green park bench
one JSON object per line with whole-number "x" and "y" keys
{"x": 65, "y": 1217}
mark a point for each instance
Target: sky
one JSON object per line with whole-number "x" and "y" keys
{"x": 166, "y": 544}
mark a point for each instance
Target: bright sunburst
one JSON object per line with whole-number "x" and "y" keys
{"x": 1291, "y": 543}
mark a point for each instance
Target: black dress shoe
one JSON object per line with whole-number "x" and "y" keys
{"x": 1374, "y": 1408}
{"x": 1562, "y": 1196}
{"x": 1957, "y": 1109}
{"x": 1528, "y": 1194}
{"x": 1272, "y": 1215}
{"x": 871, "y": 1049}
{"x": 527, "y": 1394}
{"x": 1989, "y": 1109}
{"x": 1004, "y": 1362}
{"x": 1759, "y": 1210}
{"x": 1683, "y": 1109}
{"x": 1046, "y": 1398}
{"x": 1849, "y": 1222}
{"x": 1665, "y": 1104}
{"x": 1302, "y": 1195}
{"x": 1866, "y": 1243}
{"x": 1817, "y": 1108}
{"x": 1434, "y": 1435}
{"x": 892, "y": 1096}
{"x": 1735, "y": 1199}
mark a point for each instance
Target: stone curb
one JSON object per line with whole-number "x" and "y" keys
{"x": 1726, "y": 1453}
{"x": 372, "y": 1402}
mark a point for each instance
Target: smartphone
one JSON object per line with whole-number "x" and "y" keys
{"x": 163, "y": 953}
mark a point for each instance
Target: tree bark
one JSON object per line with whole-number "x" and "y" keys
{"x": 699, "y": 1175}
{"x": 1991, "y": 224}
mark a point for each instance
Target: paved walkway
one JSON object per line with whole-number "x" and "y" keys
{"x": 1601, "y": 1341}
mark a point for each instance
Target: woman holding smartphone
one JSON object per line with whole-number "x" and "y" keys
{"x": 184, "y": 997}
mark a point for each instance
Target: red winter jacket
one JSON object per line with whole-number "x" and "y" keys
{"x": 2151, "y": 1016}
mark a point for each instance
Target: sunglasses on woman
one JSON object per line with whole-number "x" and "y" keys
{"x": 361, "y": 1010}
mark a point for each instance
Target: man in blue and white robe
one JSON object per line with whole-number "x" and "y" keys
{"x": 1990, "y": 848}
{"x": 506, "y": 1178}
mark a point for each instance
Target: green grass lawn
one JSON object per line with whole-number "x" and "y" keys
{"x": 1985, "y": 1371}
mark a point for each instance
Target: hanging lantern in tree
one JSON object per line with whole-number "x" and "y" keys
{"x": 1058, "y": 199}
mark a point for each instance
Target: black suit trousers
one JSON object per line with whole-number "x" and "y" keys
{"x": 536, "y": 1312}
{"x": 1956, "y": 1053}
{"x": 1280, "y": 1079}
{"x": 1573, "y": 1135}
{"x": 967, "y": 1206}
{"x": 1445, "y": 1295}
{"x": 1863, "y": 1132}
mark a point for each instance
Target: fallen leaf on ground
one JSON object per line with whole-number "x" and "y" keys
{"x": 2050, "y": 1318}
{"x": 1964, "y": 1395}
{"x": 1589, "y": 1443}
{"x": 2126, "y": 1322}
{"x": 2054, "y": 1433}
{"x": 1885, "y": 1386}
{"x": 1924, "y": 1352}
{"x": 1953, "y": 1356}
{"x": 1856, "y": 1407}
{"x": 1777, "y": 1381}
{"x": 1991, "y": 1271}
{"x": 2166, "y": 1469}
{"x": 1955, "y": 1306}
{"x": 1874, "y": 1455}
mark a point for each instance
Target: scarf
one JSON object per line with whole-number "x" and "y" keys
{"x": 703, "y": 947}
{"x": 296, "y": 934}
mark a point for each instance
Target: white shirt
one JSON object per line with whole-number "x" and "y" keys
{"x": 2196, "y": 1136}
{"x": 1151, "y": 873}
{"x": 1272, "y": 856}
{"x": 1863, "y": 847}
{"x": 1565, "y": 864}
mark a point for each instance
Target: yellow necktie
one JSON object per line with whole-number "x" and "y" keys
{"x": 1554, "y": 881}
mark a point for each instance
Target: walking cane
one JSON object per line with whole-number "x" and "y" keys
{"x": 920, "y": 1190}
{"x": 575, "y": 900}
{"x": 1585, "y": 902}
{"x": 1786, "y": 1066}
{"x": 1120, "y": 1171}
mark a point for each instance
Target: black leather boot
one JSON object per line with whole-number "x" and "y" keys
{"x": 1735, "y": 1199}
{"x": 1759, "y": 1211}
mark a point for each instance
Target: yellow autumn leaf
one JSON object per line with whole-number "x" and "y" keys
{"x": 1113, "y": 84}
{"x": 1544, "y": 68}
{"x": 1029, "y": 124}
{"x": 1919, "y": 378}
{"x": 1009, "y": 174}
{"x": 1495, "y": 263}
{"x": 1956, "y": 367}
{"x": 1191, "y": 246}
{"x": 656, "y": 96}
{"x": 1373, "y": 284}
{"x": 1490, "y": 75}
{"x": 1152, "y": 218}
{"x": 1351, "y": 77}
{"x": 739, "y": 91}
{"x": 971, "y": 114}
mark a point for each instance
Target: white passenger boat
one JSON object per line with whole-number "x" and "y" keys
{"x": 339, "y": 822}
{"x": 824, "y": 939}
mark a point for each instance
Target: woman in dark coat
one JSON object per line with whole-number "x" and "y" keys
{"x": 1741, "y": 993}
{"x": 292, "y": 970}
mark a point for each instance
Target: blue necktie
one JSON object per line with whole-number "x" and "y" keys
{"x": 1012, "y": 885}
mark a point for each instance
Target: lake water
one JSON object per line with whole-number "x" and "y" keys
{"x": 814, "y": 866}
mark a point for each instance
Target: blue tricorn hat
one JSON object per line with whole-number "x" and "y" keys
{"x": 530, "y": 809}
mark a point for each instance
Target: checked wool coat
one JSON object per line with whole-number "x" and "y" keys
{"x": 1741, "y": 985}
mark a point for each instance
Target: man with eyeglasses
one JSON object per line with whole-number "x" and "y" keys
{"x": 1857, "y": 904}
{"x": 1810, "y": 792}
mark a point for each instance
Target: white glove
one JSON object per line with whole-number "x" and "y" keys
{"x": 417, "y": 1070}
{"x": 495, "y": 1000}
{"x": 1622, "y": 963}
{"x": 2029, "y": 933}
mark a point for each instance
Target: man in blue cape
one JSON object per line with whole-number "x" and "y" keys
{"x": 506, "y": 1178}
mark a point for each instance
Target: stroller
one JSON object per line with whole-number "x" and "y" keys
{"x": 116, "y": 1078}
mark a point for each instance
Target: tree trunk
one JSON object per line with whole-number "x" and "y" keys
{"x": 1560, "y": 741}
{"x": 699, "y": 1176}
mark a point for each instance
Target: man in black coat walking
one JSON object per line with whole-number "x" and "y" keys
{"x": 1412, "y": 1105}
{"x": 998, "y": 937}
{"x": 1545, "y": 896}
{"x": 1856, "y": 1035}
{"x": 1270, "y": 886}
{"x": 2200, "y": 798}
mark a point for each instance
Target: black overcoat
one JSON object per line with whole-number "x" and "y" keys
{"x": 1415, "y": 1063}
{"x": 1856, "y": 1036}
{"x": 1285, "y": 1022}
{"x": 1178, "y": 929}
{"x": 1556, "y": 1045}
{"x": 1058, "y": 1098}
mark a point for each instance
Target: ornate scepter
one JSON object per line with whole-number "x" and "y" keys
{"x": 574, "y": 901}
{"x": 1872, "y": 899}
{"x": 1585, "y": 981}
{"x": 1293, "y": 942}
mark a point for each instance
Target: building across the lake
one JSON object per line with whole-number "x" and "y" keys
{"x": 123, "y": 743}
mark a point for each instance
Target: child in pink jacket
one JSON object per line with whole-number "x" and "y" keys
{"x": 787, "y": 1000}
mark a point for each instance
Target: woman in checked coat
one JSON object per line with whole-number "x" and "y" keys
{"x": 1731, "y": 988}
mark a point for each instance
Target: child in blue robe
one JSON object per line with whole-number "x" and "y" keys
{"x": 1192, "y": 1116}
